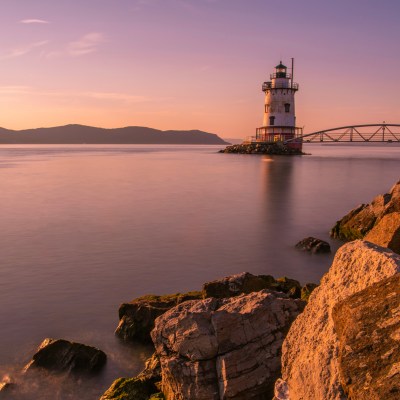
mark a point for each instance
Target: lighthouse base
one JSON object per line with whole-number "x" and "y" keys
{"x": 278, "y": 135}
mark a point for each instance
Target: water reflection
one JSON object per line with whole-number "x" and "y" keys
{"x": 277, "y": 179}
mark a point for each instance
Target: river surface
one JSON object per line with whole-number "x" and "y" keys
{"x": 85, "y": 228}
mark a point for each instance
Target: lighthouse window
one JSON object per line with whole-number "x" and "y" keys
{"x": 287, "y": 107}
{"x": 272, "y": 120}
{"x": 266, "y": 108}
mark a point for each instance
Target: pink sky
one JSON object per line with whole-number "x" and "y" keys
{"x": 196, "y": 64}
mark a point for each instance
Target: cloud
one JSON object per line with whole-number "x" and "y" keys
{"x": 104, "y": 96}
{"x": 21, "y": 51}
{"x": 116, "y": 96}
{"x": 15, "y": 89}
{"x": 86, "y": 44}
{"x": 33, "y": 21}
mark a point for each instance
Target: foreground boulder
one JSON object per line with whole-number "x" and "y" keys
{"x": 137, "y": 318}
{"x": 386, "y": 232}
{"x": 314, "y": 245}
{"x": 63, "y": 356}
{"x": 224, "y": 348}
{"x": 358, "y": 222}
{"x": 310, "y": 366}
{"x": 368, "y": 329}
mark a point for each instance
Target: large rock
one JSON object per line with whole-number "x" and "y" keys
{"x": 57, "y": 355}
{"x": 368, "y": 328}
{"x": 310, "y": 351}
{"x": 358, "y": 222}
{"x": 224, "y": 348}
{"x": 386, "y": 232}
{"x": 137, "y": 318}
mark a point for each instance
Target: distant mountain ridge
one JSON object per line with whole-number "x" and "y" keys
{"x": 80, "y": 134}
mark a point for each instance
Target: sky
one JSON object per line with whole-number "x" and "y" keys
{"x": 196, "y": 64}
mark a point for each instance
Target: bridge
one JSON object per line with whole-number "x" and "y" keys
{"x": 355, "y": 133}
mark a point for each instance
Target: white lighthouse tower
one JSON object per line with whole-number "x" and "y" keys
{"x": 279, "y": 123}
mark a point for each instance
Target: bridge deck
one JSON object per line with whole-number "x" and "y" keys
{"x": 356, "y": 133}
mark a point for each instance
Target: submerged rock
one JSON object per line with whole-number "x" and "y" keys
{"x": 358, "y": 222}
{"x": 386, "y": 232}
{"x": 368, "y": 329}
{"x": 314, "y": 245}
{"x": 223, "y": 348}
{"x": 137, "y": 318}
{"x": 6, "y": 388}
{"x": 310, "y": 363}
{"x": 58, "y": 355}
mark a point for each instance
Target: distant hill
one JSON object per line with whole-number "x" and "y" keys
{"x": 233, "y": 140}
{"x": 79, "y": 134}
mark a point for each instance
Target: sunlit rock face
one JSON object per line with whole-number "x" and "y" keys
{"x": 310, "y": 352}
{"x": 224, "y": 348}
{"x": 368, "y": 329}
{"x": 386, "y": 232}
{"x": 358, "y": 222}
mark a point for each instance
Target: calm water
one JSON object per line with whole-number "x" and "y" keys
{"x": 85, "y": 228}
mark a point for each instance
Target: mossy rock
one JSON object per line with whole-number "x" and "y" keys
{"x": 306, "y": 290}
{"x": 157, "y": 396}
{"x": 175, "y": 298}
{"x": 289, "y": 286}
{"x": 129, "y": 389}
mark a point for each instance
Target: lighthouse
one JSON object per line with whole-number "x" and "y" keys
{"x": 279, "y": 122}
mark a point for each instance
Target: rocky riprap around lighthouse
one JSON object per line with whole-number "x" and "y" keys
{"x": 262, "y": 148}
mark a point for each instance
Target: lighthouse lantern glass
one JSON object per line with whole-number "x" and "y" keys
{"x": 281, "y": 71}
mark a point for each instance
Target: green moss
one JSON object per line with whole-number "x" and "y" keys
{"x": 306, "y": 290}
{"x": 171, "y": 298}
{"x": 157, "y": 396}
{"x": 129, "y": 389}
{"x": 348, "y": 233}
{"x": 289, "y": 286}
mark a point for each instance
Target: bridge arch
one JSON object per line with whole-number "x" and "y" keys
{"x": 353, "y": 133}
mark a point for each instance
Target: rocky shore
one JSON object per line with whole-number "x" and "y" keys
{"x": 378, "y": 221}
{"x": 254, "y": 337}
{"x": 262, "y": 148}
